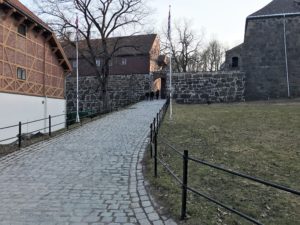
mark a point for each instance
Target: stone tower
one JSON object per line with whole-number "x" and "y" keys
{"x": 271, "y": 51}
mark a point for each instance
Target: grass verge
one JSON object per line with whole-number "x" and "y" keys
{"x": 257, "y": 139}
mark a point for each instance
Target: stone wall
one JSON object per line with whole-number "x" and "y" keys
{"x": 122, "y": 91}
{"x": 264, "y": 57}
{"x": 215, "y": 87}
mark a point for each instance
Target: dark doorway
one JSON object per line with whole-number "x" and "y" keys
{"x": 159, "y": 84}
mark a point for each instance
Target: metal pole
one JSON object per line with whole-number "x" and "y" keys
{"x": 151, "y": 141}
{"x": 77, "y": 81}
{"x": 49, "y": 125}
{"x": 184, "y": 184}
{"x": 170, "y": 74}
{"x": 45, "y": 113}
{"x": 20, "y": 134}
{"x": 155, "y": 154}
{"x": 286, "y": 57}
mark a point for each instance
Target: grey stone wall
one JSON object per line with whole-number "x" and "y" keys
{"x": 215, "y": 87}
{"x": 122, "y": 90}
{"x": 264, "y": 57}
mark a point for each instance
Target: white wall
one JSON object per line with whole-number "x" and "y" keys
{"x": 15, "y": 108}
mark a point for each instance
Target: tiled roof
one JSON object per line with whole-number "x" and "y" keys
{"x": 238, "y": 47}
{"x": 18, "y": 5}
{"x": 135, "y": 45}
{"x": 22, "y": 9}
{"x": 278, "y": 7}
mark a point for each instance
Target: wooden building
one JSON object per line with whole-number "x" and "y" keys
{"x": 32, "y": 66}
{"x": 140, "y": 56}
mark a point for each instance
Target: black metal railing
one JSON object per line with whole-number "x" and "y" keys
{"x": 154, "y": 128}
{"x": 48, "y": 129}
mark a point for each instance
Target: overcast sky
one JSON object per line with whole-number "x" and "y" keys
{"x": 221, "y": 19}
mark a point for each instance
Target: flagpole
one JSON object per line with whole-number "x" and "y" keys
{"x": 77, "y": 76}
{"x": 171, "y": 106}
{"x": 170, "y": 73}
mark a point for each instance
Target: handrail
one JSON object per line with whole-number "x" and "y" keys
{"x": 7, "y": 139}
{"x": 258, "y": 180}
{"x": 34, "y": 121}
{"x": 225, "y": 206}
{"x": 43, "y": 119}
{"x": 3, "y": 128}
{"x": 170, "y": 146}
{"x": 67, "y": 121}
{"x": 165, "y": 165}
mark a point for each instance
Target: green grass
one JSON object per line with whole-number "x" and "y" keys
{"x": 258, "y": 139}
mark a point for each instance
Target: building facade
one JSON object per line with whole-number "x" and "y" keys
{"x": 270, "y": 53}
{"x": 32, "y": 69}
{"x": 138, "y": 56}
{"x": 131, "y": 72}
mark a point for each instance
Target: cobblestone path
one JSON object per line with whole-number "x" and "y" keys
{"x": 91, "y": 175}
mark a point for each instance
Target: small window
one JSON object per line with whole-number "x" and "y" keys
{"x": 124, "y": 61}
{"x": 235, "y": 62}
{"x": 21, "y": 73}
{"x": 22, "y": 29}
{"x": 74, "y": 63}
{"x": 98, "y": 62}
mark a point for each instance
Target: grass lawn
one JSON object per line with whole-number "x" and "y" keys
{"x": 258, "y": 139}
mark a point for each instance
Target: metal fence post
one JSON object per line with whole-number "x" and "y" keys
{"x": 160, "y": 115}
{"x": 151, "y": 141}
{"x": 155, "y": 154}
{"x": 49, "y": 125}
{"x": 154, "y": 122}
{"x": 20, "y": 135}
{"x": 184, "y": 184}
{"x": 157, "y": 120}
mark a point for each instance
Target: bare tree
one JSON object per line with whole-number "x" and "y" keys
{"x": 185, "y": 46}
{"x": 189, "y": 53}
{"x": 98, "y": 19}
{"x": 212, "y": 56}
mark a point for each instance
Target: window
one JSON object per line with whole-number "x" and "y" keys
{"x": 21, "y": 73}
{"x": 98, "y": 62}
{"x": 235, "y": 62}
{"x": 74, "y": 63}
{"x": 110, "y": 62}
{"x": 22, "y": 29}
{"x": 124, "y": 61}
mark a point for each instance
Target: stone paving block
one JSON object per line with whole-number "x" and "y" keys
{"x": 144, "y": 222}
{"x": 153, "y": 216}
{"x": 122, "y": 219}
{"x": 90, "y": 175}
{"x": 159, "y": 222}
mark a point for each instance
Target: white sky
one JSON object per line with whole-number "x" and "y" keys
{"x": 221, "y": 19}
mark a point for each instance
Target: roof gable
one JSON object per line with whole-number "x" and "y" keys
{"x": 278, "y": 7}
{"x": 30, "y": 16}
{"x": 126, "y": 45}
{"x": 236, "y": 48}
{"x": 22, "y": 8}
